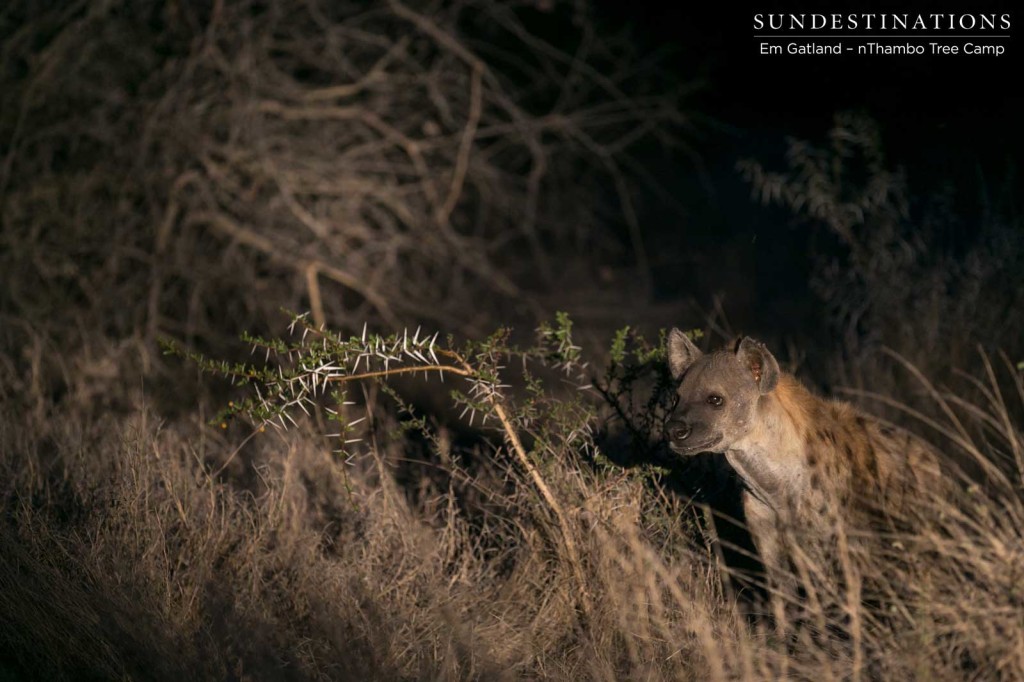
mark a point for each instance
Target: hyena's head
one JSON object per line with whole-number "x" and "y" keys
{"x": 718, "y": 392}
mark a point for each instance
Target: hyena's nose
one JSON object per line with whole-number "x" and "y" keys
{"x": 681, "y": 432}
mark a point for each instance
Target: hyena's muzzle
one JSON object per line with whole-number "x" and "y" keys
{"x": 687, "y": 436}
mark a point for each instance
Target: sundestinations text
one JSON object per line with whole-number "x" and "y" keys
{"x": 882, "y": 22}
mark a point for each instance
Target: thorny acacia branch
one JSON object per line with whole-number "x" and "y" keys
{"x": 321, "y": 359}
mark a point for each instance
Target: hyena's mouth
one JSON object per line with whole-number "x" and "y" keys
{"x": 687, "y": 448}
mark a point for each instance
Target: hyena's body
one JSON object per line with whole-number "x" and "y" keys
{"x": 805, "y": 462}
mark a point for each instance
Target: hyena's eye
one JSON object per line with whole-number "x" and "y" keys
{"x": 715, "y": 400}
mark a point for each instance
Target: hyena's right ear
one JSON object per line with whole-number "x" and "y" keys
{"x": 763, "y": 366}
{"x": 681, "y": 353}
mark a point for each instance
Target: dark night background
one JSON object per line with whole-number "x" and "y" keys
{"x": 951, "y": 122}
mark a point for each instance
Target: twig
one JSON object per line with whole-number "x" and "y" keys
{"x": 374, "y": 75}
{"x": 226, "y": 225}
{"x": 463, "y": 368}
{"x": 465, "y": 147}
{"x": 403, "y": 370}
{"x": 549, "y": 497}
{"x": 316, "y": 304}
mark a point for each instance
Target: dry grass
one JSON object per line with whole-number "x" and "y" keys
{"x": 125, "y": 556}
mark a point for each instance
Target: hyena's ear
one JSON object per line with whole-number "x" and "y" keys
{"x": 762, "y": 364}
{"x": 681, "y": 353}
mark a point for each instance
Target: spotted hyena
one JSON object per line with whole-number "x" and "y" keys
{"x": 804, "y": 461}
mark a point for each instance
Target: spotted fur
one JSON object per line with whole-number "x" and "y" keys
{"x": 805, "y": 461}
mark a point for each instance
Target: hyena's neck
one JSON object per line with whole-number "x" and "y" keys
{"x": 771, "y": 460}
